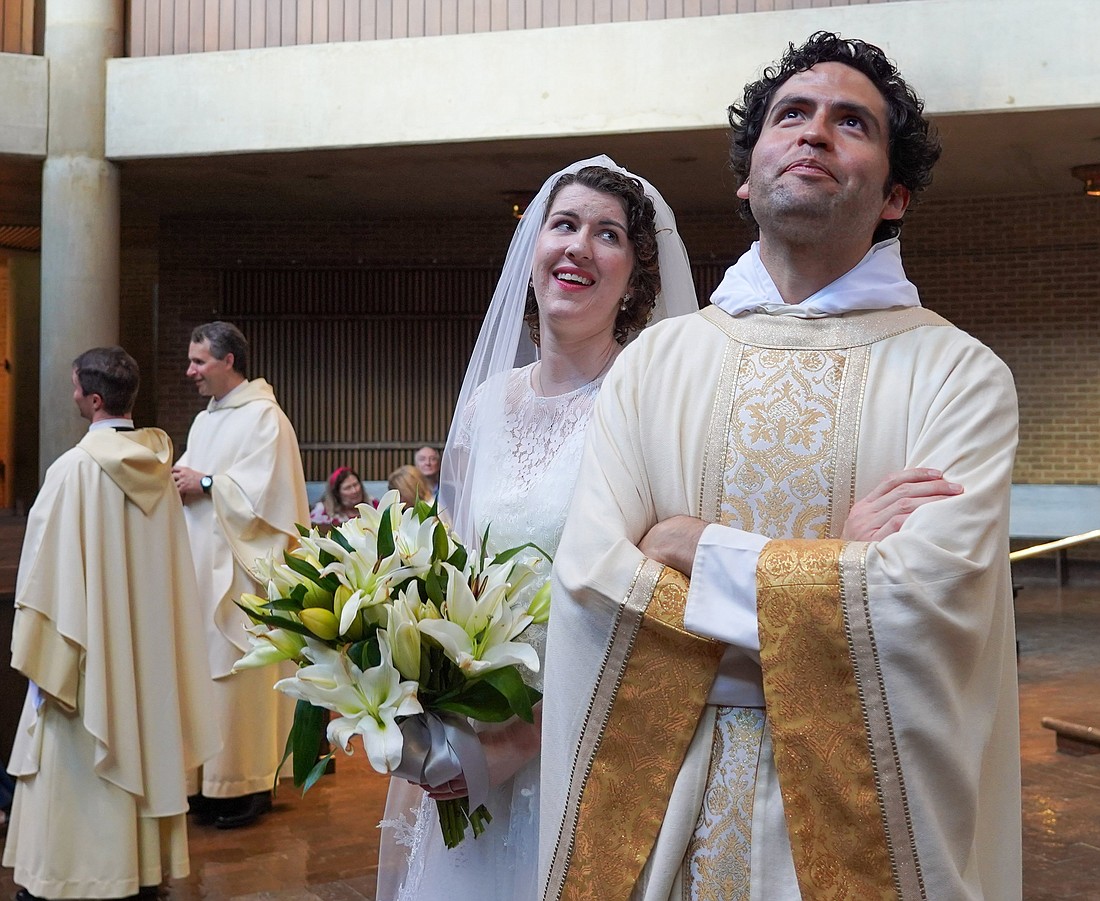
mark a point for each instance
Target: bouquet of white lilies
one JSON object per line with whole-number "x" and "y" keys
{"x": 403, "y": 634}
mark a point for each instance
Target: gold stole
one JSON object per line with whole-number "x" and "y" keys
{"x": 658, "y": 673}
{"x": 822, "y": 754}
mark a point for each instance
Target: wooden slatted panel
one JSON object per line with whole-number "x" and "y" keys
{"x": 160, "y": 27}
{"x": 16, "y": 26}
{"x": 367, "y": 364}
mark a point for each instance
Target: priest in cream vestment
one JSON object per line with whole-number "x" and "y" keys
{"x": 243, "y": 488}
{"x": 108, "y": 630}
{"x": 810, "y": 717}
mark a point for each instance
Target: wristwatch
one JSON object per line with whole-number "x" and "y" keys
{"x": 206, "y": 483}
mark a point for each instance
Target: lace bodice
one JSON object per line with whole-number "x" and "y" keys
{"x": 527, "y": 461}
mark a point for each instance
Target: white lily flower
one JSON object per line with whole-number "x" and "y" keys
{"x": 477, "y": 632}
{"x": 413, "y": 540}
{"x": 270, "y": 645}
{"x": 368, "y": 701}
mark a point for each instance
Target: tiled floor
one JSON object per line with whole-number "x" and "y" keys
{"x": 323, "y": 847}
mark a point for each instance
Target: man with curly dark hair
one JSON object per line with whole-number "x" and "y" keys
{"x": 827, "y": 709}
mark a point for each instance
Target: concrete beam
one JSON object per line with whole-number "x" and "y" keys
{"x": 618, "y": 78}
{"x": 24, "y": 104}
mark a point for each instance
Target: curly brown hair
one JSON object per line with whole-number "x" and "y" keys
{"x": 914, "y": 145}
{"x": 641, "y": 230}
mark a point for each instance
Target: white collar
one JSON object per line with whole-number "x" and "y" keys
{"x": 877, "y": 282}
{"x": 119, "y": 422}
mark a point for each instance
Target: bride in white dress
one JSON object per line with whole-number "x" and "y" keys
{"x": 594, "y": 259}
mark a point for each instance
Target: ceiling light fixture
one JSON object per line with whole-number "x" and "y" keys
{"x": 519, "y": 201}
{"x": 1090, "y": 175}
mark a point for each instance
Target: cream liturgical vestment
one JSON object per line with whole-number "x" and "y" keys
{"x": 248, "y": 445}
{"x": 108, "y": 629}
{"x": 860, "y": 739}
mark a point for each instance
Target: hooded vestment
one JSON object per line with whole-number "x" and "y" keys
{"x": 258, "y": 495}
{"x": 109, "y": 631}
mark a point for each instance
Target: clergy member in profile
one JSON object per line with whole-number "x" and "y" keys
{"x": 108, "y": 629}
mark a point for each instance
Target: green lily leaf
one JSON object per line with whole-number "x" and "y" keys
{"x": 439, "y": 542}
{"x": 386, "y": 544}
{"x": 477, "y": 700}
{"x": 309, "y": 723}
{"x": 366, "y": 653}
{"x": 505, "y": 556}
{"x": 510, "y": 684}
{"x": 459, "y": 557}
{"x": 329, "y": 583}
{"x": 338, "y": 537}
{"x": 433, "y": 587}
{"x": 282, "y": 622}
{"x": 294, "y": 604}
{"x": 302, "y": 530}
{"x": 317, "y": 772}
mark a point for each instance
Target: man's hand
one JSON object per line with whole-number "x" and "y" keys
{"x": 187, "y": 481}
{"x": 672, "y": 542}
{"x": 885, "y": 509}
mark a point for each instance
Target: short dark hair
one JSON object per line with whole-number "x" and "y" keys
{"x": 914, "y": 145}
{"x": 224, "y": 338}
{"x": 111, "y": 373}
{"x": 641, "y": 231}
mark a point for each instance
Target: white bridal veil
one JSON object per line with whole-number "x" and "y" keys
{"x": 504, "y": 342}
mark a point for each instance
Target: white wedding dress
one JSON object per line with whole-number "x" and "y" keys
{"x": 528, "y": 464}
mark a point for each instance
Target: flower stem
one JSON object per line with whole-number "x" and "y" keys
{"x": 454, "y": 814}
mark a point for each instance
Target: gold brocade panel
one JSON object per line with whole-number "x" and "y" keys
{"x": 665, "y": 681}
{"x": 781, "y": 440}
{"x": 821, "y": 747}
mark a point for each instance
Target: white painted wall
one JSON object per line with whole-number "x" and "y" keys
{"x": 965, "y": 56}
{"x": 24, "y": 93}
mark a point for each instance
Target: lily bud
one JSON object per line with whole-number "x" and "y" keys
{"x": 322, "y": 623}
{"x": 405, "y": 646}
{"x": 253, "y": 604}
{"x": 539, "y": 608}
{"x": 342, "y": 596}
{"x": 316, "y": 596}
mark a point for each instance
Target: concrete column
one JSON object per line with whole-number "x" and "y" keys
{"x": 80, "y": 210}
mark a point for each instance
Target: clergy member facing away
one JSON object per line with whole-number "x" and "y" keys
{"x": 243, "y": 491}
{"x": 108, "y": 630}
{"x": 811, "y": 716}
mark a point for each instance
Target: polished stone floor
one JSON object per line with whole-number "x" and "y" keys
{"x": 324, "y": 846}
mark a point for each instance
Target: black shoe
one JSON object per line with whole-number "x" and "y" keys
{"x": 24, "y": 895}
{"x": 251, "y": 808}
{"x": 204, "y": 810}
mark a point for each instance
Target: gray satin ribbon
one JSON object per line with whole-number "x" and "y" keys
{"x": 440, "y": 747}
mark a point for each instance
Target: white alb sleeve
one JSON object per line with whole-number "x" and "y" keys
{"x": 721, "y": 601}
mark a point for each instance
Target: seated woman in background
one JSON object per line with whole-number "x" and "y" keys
{"x": 343, "y": 492}
{"x": 410, "y": 485}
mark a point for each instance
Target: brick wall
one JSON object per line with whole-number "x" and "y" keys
{"x": 1023, "y": 275}
{"x": 1020, "y": 273}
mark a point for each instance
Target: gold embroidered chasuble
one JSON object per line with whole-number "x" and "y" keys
{"x": 788, "y": 411}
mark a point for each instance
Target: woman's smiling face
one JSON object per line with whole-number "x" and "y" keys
{"x": 583, "y": 263}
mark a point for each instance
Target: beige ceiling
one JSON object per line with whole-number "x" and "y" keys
{"x": 1017, "y": 153}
